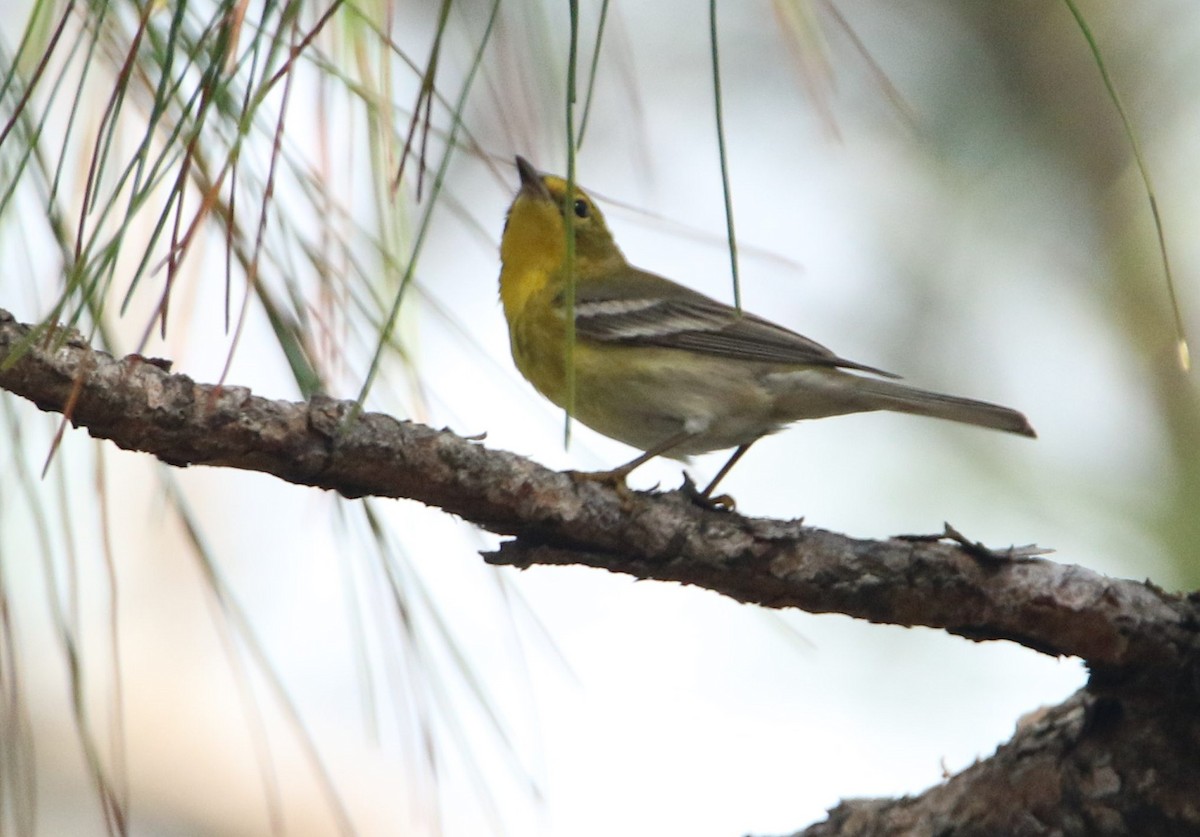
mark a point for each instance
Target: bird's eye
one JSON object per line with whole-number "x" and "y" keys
{"x": 581, "y": 208}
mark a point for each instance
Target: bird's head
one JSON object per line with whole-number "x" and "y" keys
{"x": 535, "y": 232}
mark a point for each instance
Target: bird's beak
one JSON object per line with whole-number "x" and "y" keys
{"x": 531, "y": 180}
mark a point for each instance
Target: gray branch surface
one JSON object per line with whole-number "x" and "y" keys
{"x": 1101, "y": 763}
{"x": 1116, "y": 759}
{"x": 558, "y": 519}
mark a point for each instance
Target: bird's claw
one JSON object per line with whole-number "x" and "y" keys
{"x": 614, "y": 479}
{"x": 722, "y": 502}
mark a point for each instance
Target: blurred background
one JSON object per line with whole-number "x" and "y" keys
{"x": 940, "y": 189}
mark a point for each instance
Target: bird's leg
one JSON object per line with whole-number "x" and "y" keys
{"x": 616, "y": 477}
{"x": 705, "y": 497}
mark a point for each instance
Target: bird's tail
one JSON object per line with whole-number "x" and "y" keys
{"x": 889, "y": 395}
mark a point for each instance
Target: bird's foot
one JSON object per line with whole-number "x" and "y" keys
{"x": 614, "y": 479}
{"x": 704, "y": 499}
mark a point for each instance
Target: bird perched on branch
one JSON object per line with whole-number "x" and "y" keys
{"x": 664, "y": 368}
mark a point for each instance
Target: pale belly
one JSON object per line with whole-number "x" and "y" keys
{"x": 643, "y": 396}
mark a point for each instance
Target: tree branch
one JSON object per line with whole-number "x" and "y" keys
{"x": 1101, "y": 763}
{"x": 1118, "y": 758}
{"x": 1053, "y": 608}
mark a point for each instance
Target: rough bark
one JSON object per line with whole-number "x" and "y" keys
{"x": 1117, "y": 758}
{"x": 1111, "y": 760}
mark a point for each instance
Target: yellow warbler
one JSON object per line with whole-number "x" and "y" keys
{"x": 664, "y": 368}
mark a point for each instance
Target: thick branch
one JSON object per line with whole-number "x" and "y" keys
{"x": 1054, "y": 608}
{"x": 1101, "y": 763}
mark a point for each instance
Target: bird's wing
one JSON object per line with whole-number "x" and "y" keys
{"x": 640, "y": 308}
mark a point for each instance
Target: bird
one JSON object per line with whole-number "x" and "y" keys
{"x": 661, "y": 367}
